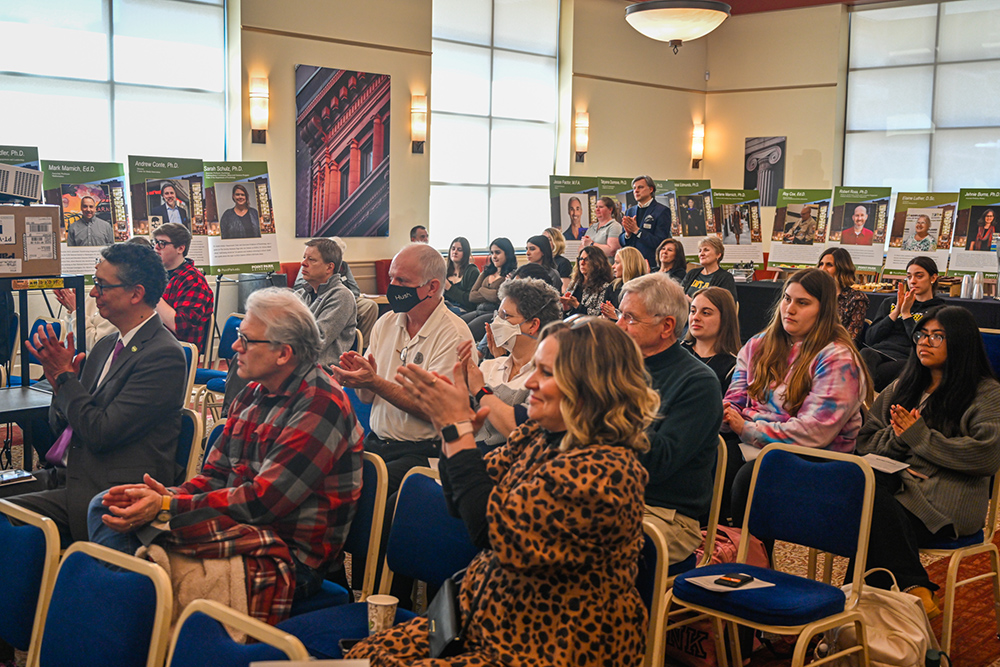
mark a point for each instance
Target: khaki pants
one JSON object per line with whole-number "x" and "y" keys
{"x": 683, "y": 533}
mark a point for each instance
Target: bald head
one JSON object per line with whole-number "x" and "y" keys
{"x": 420, "y": 264}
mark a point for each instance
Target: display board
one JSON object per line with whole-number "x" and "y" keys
{"x": 737, "y": 215}
{"x": 240, "y": 221}
{"x": 799, "y": 232}
{"x": 922, "y": 224}
{"x": 858, "y": 224}
{"x": 974, "y": 241}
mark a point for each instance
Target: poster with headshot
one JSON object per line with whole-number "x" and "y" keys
{"x": 737, "y": 216}
{"x": 239, "y": 218}
{"x": 94, "y": 209}
{"x": 858, "y": 223}
{"x": 573, "y": 208}
{"x": 20, "y": 156}
{"x": 974, "y": 243}
{"x": 799, "y": 232}
{"x": 169, "y": 189}
{"x": 921, "y": 225}
{"x": 694, "y": 220}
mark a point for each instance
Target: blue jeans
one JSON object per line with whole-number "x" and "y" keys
{"x": 100, "y": 534}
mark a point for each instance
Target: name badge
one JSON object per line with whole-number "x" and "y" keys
{"x": 647, "y": 225}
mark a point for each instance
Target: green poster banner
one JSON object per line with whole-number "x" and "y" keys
{"x": 858, "y": 224}
{"x": 738, "y": 215}
{"x": 20, "y": 156}
{"x": 694, "y": 219}
{"x": 169, "y": 189}
{"x": 573, "y": 199}
{"x": 974, "y": 242}
{"x": 239, "y": 216}
{"x": 921, "y": 225}
{"x": 799, "y": 231}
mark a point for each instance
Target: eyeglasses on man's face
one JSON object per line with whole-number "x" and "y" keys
{"x": 160, "y": 243}
{"x": 245, "y": 342}
{"x": 101, "y": 286}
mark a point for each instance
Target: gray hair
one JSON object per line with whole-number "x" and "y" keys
{"x": 432, "y": 264}
{"x": 287, "y": 321}
{"x": 534, "y": 298}
{"x": 660, "y": 295}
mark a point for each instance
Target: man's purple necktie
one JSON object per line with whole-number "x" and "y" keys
{"x": 57, "y": 452}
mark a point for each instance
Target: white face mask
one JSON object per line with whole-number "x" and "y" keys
{"x": 504, "y": 333}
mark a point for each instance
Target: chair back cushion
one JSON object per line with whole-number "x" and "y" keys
{"x": 98, "y": 616}
{"x": 425, "y": 541}
{"x": 228, "y": 337}
{"x": 184, "y": 443}
{"x": 813, "y": 503}
{"x": 22, "y": 555}
{"x": 204, "y": 642}
{"x": 358, "y": 537}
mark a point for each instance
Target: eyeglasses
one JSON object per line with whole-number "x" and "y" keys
{"x": 103, "y": 286}
{"x": 630, "y": 318}
{"x": 245, "y": 342}
{"x": 406, "y": 348}
{"x": 160, "y": 243}
{"x": 933, "y": 339}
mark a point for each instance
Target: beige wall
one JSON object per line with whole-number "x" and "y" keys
{"x": 777, "y": 73}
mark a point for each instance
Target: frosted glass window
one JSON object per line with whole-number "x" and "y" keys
{"x": 967, "y": 95}
{"x": 901, "y": 36}
{"x": 522, "y": 153}
{"x": 519, "y": 213}
{"x": 527, "y": 25}
{"x": 459, "y": 149}
{"x": 463, "y": 20}
{"x": 459, "y": 211}
{"x": 966, "y": 159}
{"x": 460, "y": 79}
{"x": 880, "y": 159}
{"x": 66, "y": 38}
{"x": 970, "y": 30}
{"x": 890, "y": 99}
{"x": 524, "y": 86}
{"x": 169, "y": 43}
{"x": 35, "y": 112}
{"x": 153, "y": 121}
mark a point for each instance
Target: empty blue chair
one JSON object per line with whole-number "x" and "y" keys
{"x": 200, "y": 640}
{"x": 425, "y": 543}
{"x": 226, "y": 340}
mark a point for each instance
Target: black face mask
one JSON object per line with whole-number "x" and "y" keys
{"x": 403, "y": 299}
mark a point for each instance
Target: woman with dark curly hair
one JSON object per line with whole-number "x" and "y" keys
{"x": 591, "y": 285}
{"x": 484, "y": 293}
{"x": 852, "y": 305}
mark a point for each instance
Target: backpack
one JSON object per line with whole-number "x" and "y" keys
{"x": 896, "y": 625}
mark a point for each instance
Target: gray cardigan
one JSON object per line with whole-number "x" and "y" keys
{"x": 958, "y": 469}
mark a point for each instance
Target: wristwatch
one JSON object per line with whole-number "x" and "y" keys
{"x": 65, "y": 377}
{"x": 453, "y": 432}
{"x": 164, "y": 515}
{"x": 483, "y": 392}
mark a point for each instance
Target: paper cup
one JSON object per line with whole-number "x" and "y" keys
{"x": 381, "y": 613}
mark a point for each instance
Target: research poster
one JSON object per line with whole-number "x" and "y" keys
{"x": 921, "y": 225}
{"x": 240, "y": 220}
{"x": 737, "y": 215}
{"x": 694, "y": 213}
{"x": 20, "y": 156}
{"x": 169, "y": 189}
{"x": 799, "y": 232}
{"x": 94, "y": 209}
{"x": 974, "y": 242}
{"x": 858, "y": 224}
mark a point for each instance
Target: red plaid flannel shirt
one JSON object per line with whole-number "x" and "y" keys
{"x": 189, "y": 295}
{"x": 289, "y": 461}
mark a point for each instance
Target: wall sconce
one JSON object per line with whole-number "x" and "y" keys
{"x": 418, "y": 122}
{"x": 258, "y": 110}
{"x": 582, "y": 134}
{"x": 697, "y": 145}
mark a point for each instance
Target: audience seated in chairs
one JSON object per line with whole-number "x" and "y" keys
{"x": 591, "y": 285}
{"x": 683, "y": 440}
{"x": 563, "y": 265}
{"x": 800, "y": 381}
{"x": 462, "y": 274}
{"x": 538, "y": 250}
{"x": 557, "y": 510}
{"x": 280, "y": 485}
{"x": 526, "y": 307}
{"x": 852, "y": 304}
{"x": 710, "y": 273}
{"x": 941, "y": 418}
{"x": 629, "y": 263}
{"x": 713, "y": 334}
{"x": 503, "y": 262}
{"x": 888, "y": 339}
{"x": 329, "y": 300}
{"x": 672, "y": 259}
{"x": 188, "y": 303}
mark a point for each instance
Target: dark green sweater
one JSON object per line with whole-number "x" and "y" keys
{"x": 684, "y": 439}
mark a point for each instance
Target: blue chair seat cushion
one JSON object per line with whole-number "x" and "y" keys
{"x": 962, "y": 542}
{"x": 321, "y": 631}
{"x": 329, "y": 595}
{"x": 203, "y": 375}
{"x": 791, "y": 601}
{"x": 204, "y": 641}
{"x": 218, "y": 385}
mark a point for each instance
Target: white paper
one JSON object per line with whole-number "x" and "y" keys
{"x": 708, "y": 583}
{"x": 749, "y": 451}
{"x": 10, "y": 266}
{"x": 7, "y": 230}
{"x": 884, "y": 463}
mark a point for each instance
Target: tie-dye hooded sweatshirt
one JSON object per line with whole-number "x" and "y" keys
{"x": 830, "y": 416}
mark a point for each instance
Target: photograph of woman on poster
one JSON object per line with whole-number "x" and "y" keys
{"x": 982, "y": 238}
{"x": 241, "y": 221}
{"x": 921, "y": 239}
{"x": 693, "y": 216}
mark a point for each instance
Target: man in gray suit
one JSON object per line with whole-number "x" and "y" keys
{"x": 123, "y": 405}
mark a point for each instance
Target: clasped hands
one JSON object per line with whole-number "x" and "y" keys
{"x": 630, "y": 225}
{"x": 443, "y": 401}
{"x": 133, "y": 505}
{"x": 732, "y": 416}
{"x": 901, "y": 419}
{"x": 56, "y": 358}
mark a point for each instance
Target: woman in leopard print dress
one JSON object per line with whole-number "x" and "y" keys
{"x": 557, "y": 510}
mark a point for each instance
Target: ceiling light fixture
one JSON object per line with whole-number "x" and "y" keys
{"x": 676, "y": 21}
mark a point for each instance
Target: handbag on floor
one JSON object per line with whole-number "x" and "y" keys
{"x": 896, "y": 625}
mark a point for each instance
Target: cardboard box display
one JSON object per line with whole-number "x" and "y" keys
{"x": 29, "y": 241}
